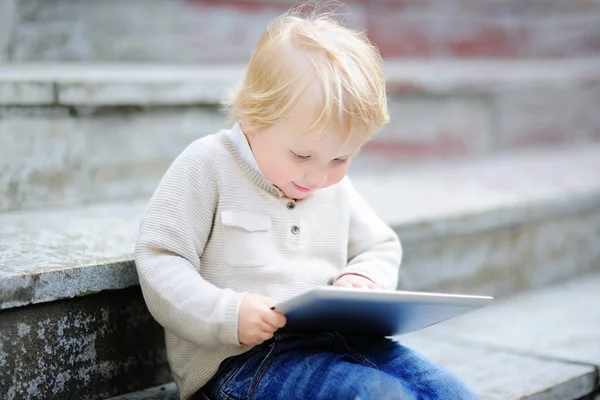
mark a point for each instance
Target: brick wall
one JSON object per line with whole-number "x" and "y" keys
{"x": 201, "y": 30}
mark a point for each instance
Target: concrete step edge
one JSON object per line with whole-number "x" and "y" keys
{"x": 98, "y": 85}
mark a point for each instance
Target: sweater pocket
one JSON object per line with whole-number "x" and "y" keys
{"x": 246, "y": 238}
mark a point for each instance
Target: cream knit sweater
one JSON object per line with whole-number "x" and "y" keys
{"x": 216, "y": 229}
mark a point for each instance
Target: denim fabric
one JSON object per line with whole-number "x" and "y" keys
{"x": 332, "y": 366}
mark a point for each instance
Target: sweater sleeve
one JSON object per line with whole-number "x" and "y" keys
{"x": 172, "y": 237}
{"x": 374, "y": 250}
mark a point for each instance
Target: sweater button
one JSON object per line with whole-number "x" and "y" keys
{"x": 295, "y": 229}
{"x": 291, "y": 205}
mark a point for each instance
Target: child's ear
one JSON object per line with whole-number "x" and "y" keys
{"x": 246, "y": 123}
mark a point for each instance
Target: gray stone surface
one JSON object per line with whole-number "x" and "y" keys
{"x": 148, "y": 84}
{"x": 487, "y": 226}
{"x": 511, "y": 224}
{"x": 201, "y": 31}
{"x": 26, "y": 93}
{"x": 91, "y": 85}
{"x": 497, "y": 374}
{"x": 455, "y": 197}
{"x": 561, "y": 322}
{"x": 494, "y": 374}
{"x": 81, "y": 349}
{"x": 164, "y": 392}
{"x": 8, "y": 20}
{"x": 113, "y": 130}
{"x": 505, "y": 259}
{"x": 57, "y": 254}
{"x": 129, "y": 31}
{"x": 48, "y": 157}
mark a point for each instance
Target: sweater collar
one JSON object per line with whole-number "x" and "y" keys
{"x": 237, "y": 144}
{"x": 240, "y": 142}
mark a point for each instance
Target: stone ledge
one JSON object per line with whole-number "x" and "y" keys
{"x": 512, "y": 349}
{"x": 53, "y": 254}
{"x": 84, "y": 85}
{"x": 50, "y": 255}
{"x": 502, "y": 374}
{"x": 556, "y": 325}
{"x": 558, "y": 322}
{"x": 163, "y": 392}
{"x": 89, "y": 348}
{"x": 493, "y": 374}
{"x": 470, "y": 195}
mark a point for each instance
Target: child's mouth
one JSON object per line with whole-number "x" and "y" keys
{"x": 301, "y": 188}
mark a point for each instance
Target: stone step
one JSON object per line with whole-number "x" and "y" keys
{"x": 511, "y": 350}
{"x": 73, "y": 134}
{"x": 491, "y": 226}
{"x": 163, "y": 392}
{"x": 555, "y": 326}
{"x": 216, "y": 31}
{"x": 93, "y": 347}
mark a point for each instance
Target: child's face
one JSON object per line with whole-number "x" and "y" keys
{"x": 299, "y": 164}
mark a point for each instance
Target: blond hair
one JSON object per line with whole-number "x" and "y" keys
{"x": 313, "y": 59}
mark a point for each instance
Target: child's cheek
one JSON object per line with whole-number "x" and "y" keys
{"x": 337, "y": 175}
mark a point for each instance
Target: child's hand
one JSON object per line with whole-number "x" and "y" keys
{"x": 257, "y": 322}
{"x": 355, "y": 281}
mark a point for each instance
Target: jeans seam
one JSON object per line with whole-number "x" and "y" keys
{"x": 222, "y": 392}
{"x": 356, "y": 354}
{"x": 230, "y": 376}
{"x": 261, "y": 370}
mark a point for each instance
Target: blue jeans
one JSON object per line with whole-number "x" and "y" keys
{"x": 332, "y": 366}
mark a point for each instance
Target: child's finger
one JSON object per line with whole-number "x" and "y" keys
{"x": 274, "y": 319}
{"x": 266, "y": 327}
{"x": 268, "y": 302}
{"x": 260, "y": 337}
{"x": 343, "y": 282}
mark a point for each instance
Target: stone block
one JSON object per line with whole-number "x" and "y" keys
{"x": 90, "y": 348}
{"x": 484, "y": 29}
{"x": 501, "y": 374}
{"x": 26, "y": 93}
{"x": 8, "y": 19}
{"x": 58, "y": 254}
{"x": 559, "y": 322}
{"x": 492, "y": 227}
{"x": 427, "y": 126}
{"x": 51, "y": 158}
{"x": 546, "y": 116}
{"x": 506, "y": 259}
{"x": 158, "y": 86}
{"x": 210, "y": 31}
{"x": 164, "y": 392}
{"x": 134, "y": 30}
{"x": 422, "y": 29}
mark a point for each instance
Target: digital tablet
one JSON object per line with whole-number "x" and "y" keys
{"x": 372, "y": 312}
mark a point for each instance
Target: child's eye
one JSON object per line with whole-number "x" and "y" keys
{"x": 299, "y": 157}
{"x": 339, "y": 160}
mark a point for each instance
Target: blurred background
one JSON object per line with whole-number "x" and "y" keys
{"x": 489, "y": 171}
{"x": 465, "y": 78}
